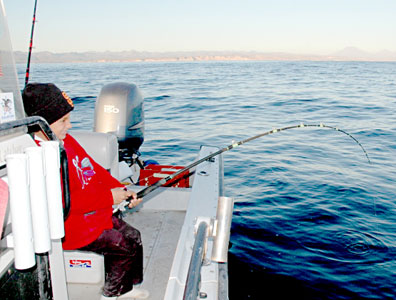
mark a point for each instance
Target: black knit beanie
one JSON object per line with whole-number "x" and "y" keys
{"x": 47, "y": 101}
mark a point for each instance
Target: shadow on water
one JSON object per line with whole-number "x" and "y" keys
{"x": 247, "y": 281}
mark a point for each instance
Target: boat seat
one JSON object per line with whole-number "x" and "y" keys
{"x": 102, "y": 147}
{"x": 85, "y": 266}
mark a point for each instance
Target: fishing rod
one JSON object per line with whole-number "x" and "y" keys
{"x": 30, "y": 44}
{"x": 144, "y": 192}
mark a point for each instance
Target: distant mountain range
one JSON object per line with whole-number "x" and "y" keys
{"x": 347, "y": 54}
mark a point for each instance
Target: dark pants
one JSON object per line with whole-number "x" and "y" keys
{"x": 123, "y": 257}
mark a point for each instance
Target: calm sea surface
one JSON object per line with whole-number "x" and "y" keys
{"x": 313, "y": 219}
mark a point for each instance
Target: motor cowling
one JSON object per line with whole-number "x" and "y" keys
{"x": 119, "y": 109}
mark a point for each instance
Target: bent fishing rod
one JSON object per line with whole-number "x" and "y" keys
{"x": 144, "y": 192}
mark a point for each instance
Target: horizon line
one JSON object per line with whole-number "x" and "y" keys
{"x": 346, "y": 54}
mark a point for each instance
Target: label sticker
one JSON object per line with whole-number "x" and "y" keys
{"x": 80, "y": 263}
{"x": 111, "y": 109}
{"x": 7, "y": 108}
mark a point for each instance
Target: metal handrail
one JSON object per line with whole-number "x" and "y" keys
{"x": 11, "y": 127}
{"x": 194, "y": 270}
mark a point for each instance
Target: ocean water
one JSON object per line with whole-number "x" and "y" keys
{"x": 313, "y": 218}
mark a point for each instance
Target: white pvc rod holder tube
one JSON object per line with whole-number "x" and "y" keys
{"x": 54, "y": 190}
{"x": 225, "y": 208}
{"x": 38, "y": 200}
{"x": 18, "y": 182}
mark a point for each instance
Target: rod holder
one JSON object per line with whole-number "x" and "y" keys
{"x": 18, "y": 182}
{"x": 54, "y": 190}
{"x": 38, "y": 199}
{"x": 221, "y": 230}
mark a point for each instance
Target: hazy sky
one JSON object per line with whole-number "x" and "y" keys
{"x": 299, "y": 26}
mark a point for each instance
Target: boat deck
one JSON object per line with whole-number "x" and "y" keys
{"x": 160, "y": 243}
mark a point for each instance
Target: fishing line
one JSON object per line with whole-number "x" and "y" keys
{"x": 30, "y": 44}
{"x": 144, "y": 192}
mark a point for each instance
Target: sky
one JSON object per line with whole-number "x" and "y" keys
{"x": 294, "y": 26}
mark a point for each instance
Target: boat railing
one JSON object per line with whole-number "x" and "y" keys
{"x": 29, "y": 123}
{"x": 219, "y": 229}
{"x": 194, "y": 271}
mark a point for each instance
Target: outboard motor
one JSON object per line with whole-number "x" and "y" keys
{"x": 119, "y": 110}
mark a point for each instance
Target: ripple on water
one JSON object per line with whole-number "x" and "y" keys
{"x": 348, "y": 246}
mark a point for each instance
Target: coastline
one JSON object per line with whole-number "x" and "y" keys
{"x": 348, "y": 54}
